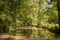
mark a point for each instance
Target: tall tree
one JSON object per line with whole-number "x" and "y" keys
{"x": 58, "y": 5}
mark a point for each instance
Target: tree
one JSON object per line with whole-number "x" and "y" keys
{"x": 41, "y": 14}
{"x": 58, "y": 5}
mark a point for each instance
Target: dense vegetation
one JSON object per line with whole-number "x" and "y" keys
{"x": 41, "y": 14}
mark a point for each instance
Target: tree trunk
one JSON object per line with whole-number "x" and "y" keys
{"x": 58, "y": 5}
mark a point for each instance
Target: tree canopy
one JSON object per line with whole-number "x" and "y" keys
{"x": 41, "y": 14}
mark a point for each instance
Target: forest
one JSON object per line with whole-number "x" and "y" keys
{"x": 30, "y": 18}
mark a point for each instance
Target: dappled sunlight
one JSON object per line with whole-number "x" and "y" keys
{"x": 29, "y": 20}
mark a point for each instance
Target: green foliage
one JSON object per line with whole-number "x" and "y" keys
{"x": 22, "y": 13}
